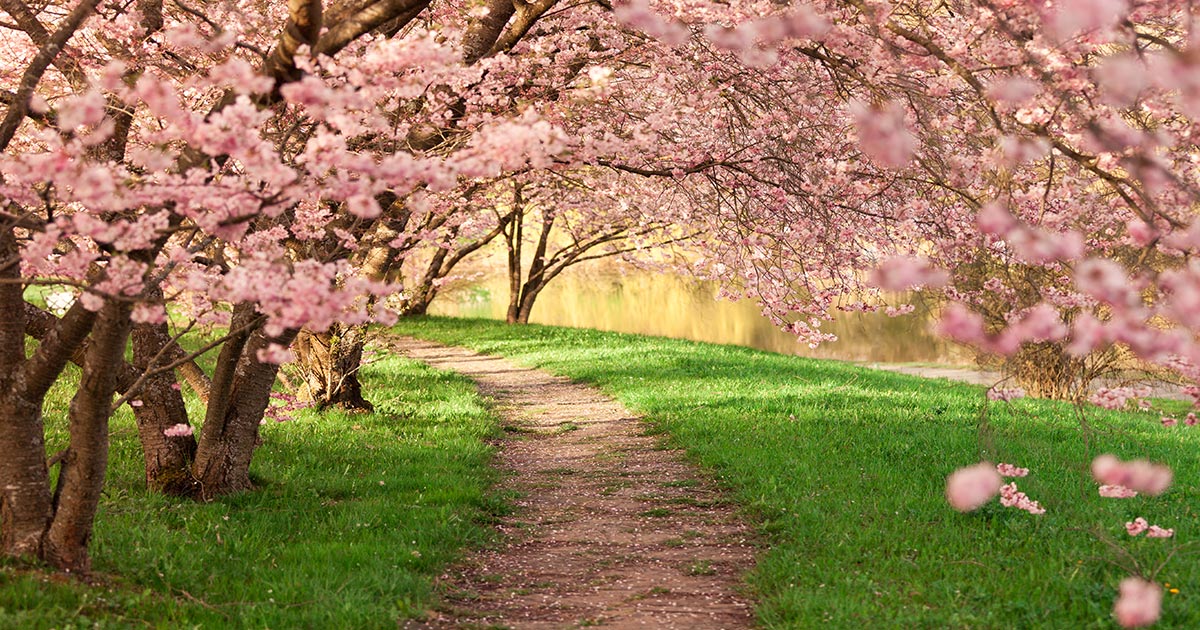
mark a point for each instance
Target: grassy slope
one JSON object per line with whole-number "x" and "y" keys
{"x": 843, "y": 469}
{"x": 356, "y": 515}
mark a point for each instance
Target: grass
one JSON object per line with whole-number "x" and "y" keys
{"x": 356, "y": 516}
{"x": 842, "y": 470}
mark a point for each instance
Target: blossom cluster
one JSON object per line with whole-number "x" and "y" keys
{"x": 969, "y": 488}
{"x": 1139, "y": 601}
{"x": 1139, "y": 525}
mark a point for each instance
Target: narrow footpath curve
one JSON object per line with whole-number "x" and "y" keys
{"x": 610, "y": 530}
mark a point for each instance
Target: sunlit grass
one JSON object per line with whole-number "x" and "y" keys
{"x": 355, "y": 516}
{"x": 842, "y": 469}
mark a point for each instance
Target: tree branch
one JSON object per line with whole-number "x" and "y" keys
{"x": 366, "y": 20}
{"x": 302, "y": 29}
{"x": 527, "y": 16}
{"x": 33, "y": 74}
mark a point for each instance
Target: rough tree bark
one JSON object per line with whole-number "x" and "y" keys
{"x": 26, "y": 504}
{"x": 168, "y": 460}
{"x": 172, "y": 463}
{"x": 81, "y": 478}
{"x": 25, "y": 495}
{"x": 24, "y": 490}
{"x": 329, "y": 362}
{"x": 241, "y": 391}
{"x": 33, "y": 522}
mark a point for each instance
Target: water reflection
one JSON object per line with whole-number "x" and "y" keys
{"x": 662, "y": 304}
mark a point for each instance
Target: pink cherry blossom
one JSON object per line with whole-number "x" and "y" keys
{"x": 639, "y": 15}
{"x": 1071, "y": 17}
{"x": 995, "y": 219}
{"x": 1010, "y": 496}
{"x": 1117, "y": 492}
{"x": 1006, "y": 394}
{"x": 275, "y": 353}
{"x": 148, "y": 313}
{"x": 1009, "y": 470}
{"x": 178, "y": 430}
{"x": 901, "y": 273}
{"x": 1036, "y": 160}
{"x": 1087, "y": 334}
{"x": 1136, "y": 526}
{"x": 1105, "y": 280}
{"x": 1138, "y": 604}
{"x": 1140, "y": 475}
{"x": 1158, "y": 532}
{"x": 883, "y": 134}
{"x": 1123, "y": 78}
{"x": 961, "y": 324}
{"x": 363, "y": 206}
{"x": 1140, "y": 232}
{"x": 1116, "y": 397}
{"x": 84, "y": 109}
{"x": 1016, "y": 90}
{"x": 969, "y": 488}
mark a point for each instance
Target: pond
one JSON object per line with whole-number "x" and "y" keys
{"x": 667, "y": 305}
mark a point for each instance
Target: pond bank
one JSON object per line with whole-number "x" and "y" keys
{"x": 659, "y": 304}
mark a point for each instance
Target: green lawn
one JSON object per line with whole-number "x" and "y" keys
{"x": 356, "y": 515}
{"x": 842, "y": 469}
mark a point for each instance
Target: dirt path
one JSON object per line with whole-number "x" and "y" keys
{"x": 610, "y": 529}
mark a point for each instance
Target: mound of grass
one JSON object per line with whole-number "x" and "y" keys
{"x": 355, "y": 517}
{"x": 843, "y": 470}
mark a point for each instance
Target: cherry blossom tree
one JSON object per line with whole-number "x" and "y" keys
{"x": 576, "y": 219}
{"x": 145, "y": 169}
{"x": 1043, "y": 153}
{"x": 260, "y": 169}
{"x": 227, "y": 162}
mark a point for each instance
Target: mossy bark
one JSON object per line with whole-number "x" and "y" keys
{"x": 329, "y": 362}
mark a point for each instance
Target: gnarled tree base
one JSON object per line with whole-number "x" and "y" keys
{"x": 329, "y": 363}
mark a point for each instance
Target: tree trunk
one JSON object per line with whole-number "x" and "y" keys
{"x": 81, "y": 479}
{"x": 418, "y": 302}
{"x": 514, "y": 243}
{"x": 329, "y": 362}
{"x": 526, "y": 308}
{"x": 24, "y": 478}
{"x": 168, "y": 459}
{"x": 196, "y": 379}
{"x": 25, "y": 502}
{"x": 522, "y": 295}
{"x": 513, "y": 314}
{"x": 241, "y": 391}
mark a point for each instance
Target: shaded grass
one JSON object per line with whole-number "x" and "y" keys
{"x": 842, "y": 469}
{"x": 355, "y": 516}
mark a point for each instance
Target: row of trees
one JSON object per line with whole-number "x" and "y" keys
{"x": 266, "y": 171}
{"x": 278, "y": 171}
